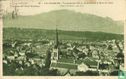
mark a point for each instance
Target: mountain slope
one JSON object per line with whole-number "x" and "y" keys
{"x": 65, "y": 20}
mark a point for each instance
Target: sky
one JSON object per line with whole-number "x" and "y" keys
{"x": 116, "y": 11}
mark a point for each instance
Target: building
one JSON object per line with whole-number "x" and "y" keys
{"x": 55, "y": 51}
{"x": 57, "y": 63}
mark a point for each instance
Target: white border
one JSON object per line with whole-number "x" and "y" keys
{"x": 55, "y": 77}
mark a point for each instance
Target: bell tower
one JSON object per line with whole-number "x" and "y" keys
{"x": 55, "y": 52}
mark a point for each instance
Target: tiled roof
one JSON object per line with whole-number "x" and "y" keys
{"x": 66, "y": 60}
{"x": 88, "y": 61}
{"x": 64, "y": 65}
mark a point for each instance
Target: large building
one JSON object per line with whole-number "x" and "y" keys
{"x": 55, "y": 60}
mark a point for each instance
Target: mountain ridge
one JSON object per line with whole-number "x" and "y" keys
{"x": 66, "y": 20}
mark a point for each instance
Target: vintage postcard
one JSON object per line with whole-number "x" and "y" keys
{"x": 62, "y": 39}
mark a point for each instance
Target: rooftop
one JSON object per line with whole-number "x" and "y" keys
{"x": 66, "y": 60}
{"x": 64, "y": 65}
{"x": 88, "y": 61}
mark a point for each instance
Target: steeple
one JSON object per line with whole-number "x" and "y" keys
{"x": 55, "y": 53}
{"x": 56, "y": 39}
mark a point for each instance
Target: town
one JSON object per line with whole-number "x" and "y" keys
{"x": 63, "y": 57}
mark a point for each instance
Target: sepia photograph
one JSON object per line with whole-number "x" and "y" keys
{"x": 63, "y": 38}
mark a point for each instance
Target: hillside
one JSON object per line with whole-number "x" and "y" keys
{"x": 35, "y": 34}
{"x": 65, "y": 20}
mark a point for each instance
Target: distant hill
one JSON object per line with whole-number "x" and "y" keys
{"x": 66, "y": 20}
{"x": 35, "y": 34}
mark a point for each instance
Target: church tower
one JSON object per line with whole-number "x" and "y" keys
{"x": 55, "y": 52}
{"x": 56, "y": 40}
